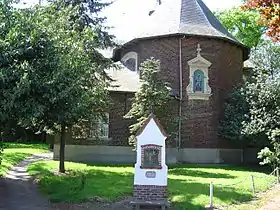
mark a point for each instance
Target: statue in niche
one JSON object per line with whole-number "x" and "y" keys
{"x": 151, "y": 157}
{"x": 198, "y": 81}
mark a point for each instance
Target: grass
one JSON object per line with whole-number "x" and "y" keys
{"x": 188, "y": 185}
{"x": 15, "y": 153}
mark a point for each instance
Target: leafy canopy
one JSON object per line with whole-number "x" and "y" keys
{"x": 252, "y": 112}
{"x": 243, "y": 24}
{"x": 270, "y": 15}
{"x": 51, "y": 72}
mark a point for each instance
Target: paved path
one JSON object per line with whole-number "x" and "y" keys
{"x": 17, "y": 190}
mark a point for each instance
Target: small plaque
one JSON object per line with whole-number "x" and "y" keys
{"x": 151, "y": 174}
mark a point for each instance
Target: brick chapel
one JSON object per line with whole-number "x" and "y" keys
{"x": 201, "y": 60}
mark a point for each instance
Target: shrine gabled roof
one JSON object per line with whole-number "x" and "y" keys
{"x": 146, "y": 122}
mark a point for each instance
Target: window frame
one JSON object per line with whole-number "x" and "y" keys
{"x": 100, "y": 125}
{"x": 151, "y": 146}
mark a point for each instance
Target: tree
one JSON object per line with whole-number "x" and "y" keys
{"x": 266, "y": 57}
{"x": 88, "y": 15}
{"x": 271, "y": 156}
{"x": 243, "y": 24}
{"x": 52, "y": 74}
{"x": 236, "y": 111}
{"x": 270, "y": 13}
{"x": 252, "y": 112}
{"x": 153, "y": 96}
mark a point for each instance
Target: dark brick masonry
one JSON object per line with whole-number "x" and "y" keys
{"x": 150, "y": 192}
{"x": 200, "y": 118}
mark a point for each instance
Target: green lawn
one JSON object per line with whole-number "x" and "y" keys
{"x": 16, "y": 152}
{"x": 188, "y": 185}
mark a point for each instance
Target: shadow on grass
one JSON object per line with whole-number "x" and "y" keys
{"x": 197, "y": 173}
{"x": 231, "y": 167}
{"x": 185, "y": 195}
{"x": 12, "y": 145}
{"x": 11, "y": 159}
{"x": 79, "y": 186}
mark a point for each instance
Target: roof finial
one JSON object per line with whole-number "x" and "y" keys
{"x": 198, "y": 49}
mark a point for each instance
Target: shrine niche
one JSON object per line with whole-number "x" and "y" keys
{"x": 151, "y": 156}
{"x": 198, "y": 88}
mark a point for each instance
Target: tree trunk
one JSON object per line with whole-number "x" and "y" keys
{"x": 62, "y": 149}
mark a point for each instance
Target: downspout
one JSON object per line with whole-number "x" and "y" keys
{"x": 181, "y": 93}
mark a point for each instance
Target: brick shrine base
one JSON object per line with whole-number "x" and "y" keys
{"x": 150, "y": 192}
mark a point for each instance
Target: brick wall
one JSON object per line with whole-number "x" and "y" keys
{"x": 119, "y": 127}
{"x": 150, "y": 192}
{"x": 201, "y": 118}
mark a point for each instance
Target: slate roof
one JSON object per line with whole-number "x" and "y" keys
{"x": 124, "y": 80}
{"x": 190, "y": 17}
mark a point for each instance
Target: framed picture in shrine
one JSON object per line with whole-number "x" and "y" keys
{"x": 151, "y": 156}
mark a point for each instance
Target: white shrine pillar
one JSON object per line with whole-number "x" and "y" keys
{"x": 150, "y": 178}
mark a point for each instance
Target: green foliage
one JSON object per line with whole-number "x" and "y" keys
{"x": 1, "y": 151}
{"x": 252, "y": 112}
{"x": 88, "y": 15}
{"x": 153, "y": 97}
{"x": 50, "y": 70}
{"x": 51, "y": 73}
{"x": 243, "y": 24}
{"x": 236, "y": 109}
{"x": 269, "y": 157}
{"x": 266, "y": 58}
{"x": 264, "y": 100}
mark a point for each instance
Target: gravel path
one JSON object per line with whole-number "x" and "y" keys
{"x": 274, "y": 204}
{"x": 17, "y": 190}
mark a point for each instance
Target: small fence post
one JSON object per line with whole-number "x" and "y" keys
{"x": 253, "y": 185}
{"x": 277, "y": 174}
{"x": 211, "y": 195}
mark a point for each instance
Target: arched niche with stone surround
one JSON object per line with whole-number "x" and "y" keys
{"x": 198, "y": 88}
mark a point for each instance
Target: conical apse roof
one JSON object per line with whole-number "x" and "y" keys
{"x": 189, "y": 17}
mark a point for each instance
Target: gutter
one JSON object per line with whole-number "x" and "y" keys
{"x": 181, "y": 93}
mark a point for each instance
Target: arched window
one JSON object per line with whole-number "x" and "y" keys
{"x": 130, "y": 60}
{"x": 198, "y": 81}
